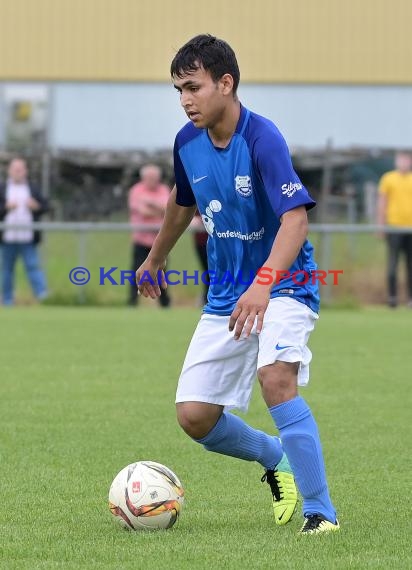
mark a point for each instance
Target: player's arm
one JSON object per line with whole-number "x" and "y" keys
{"x": 382, "y": 211}
{"x": 289, "y": 240}
{"x": 382, "y": 204}
{"x": 37, "y": 202}
{"x": 177, "y": 219}
{"x": 286, "y": 246}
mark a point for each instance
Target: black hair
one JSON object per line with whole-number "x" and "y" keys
{"x": 214, "y": 55}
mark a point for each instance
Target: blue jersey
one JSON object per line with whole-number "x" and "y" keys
{"x": 241, "y": 192}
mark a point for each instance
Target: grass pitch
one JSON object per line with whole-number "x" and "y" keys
{"x": 85, "y": 391}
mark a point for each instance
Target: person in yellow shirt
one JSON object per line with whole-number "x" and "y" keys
{"x": 395, "y": 209}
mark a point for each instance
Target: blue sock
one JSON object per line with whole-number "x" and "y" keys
{"x": 232, "y": 436}
{"x": 301, "y": 443}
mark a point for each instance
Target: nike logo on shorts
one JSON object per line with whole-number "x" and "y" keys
{"x": 279, "y": 347}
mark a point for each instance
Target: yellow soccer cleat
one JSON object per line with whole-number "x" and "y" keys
{"x": 316, "y": 524}
{"x": 283, "y": 489}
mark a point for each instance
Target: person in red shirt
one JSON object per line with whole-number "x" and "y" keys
{"x": 147, "y": 202}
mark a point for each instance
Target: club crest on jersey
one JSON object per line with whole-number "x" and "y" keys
{"x": 243, "y": 185}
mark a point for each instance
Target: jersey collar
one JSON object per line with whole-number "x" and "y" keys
{"x": 243, "y": 118}
{"x": 240, "y": 128}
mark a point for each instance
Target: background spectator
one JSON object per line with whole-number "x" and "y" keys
{"x": 147, "y": 204}
{"x": 21, "y": 203}
{"x": 395, "y": 209}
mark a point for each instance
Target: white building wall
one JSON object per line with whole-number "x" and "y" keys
{"x": 147, "y": 116}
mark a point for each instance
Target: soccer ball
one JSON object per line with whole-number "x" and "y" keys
{"x": 146, "y": 495}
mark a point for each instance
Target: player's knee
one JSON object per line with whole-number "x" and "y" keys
{"x": 186, "y": 419}
{"x": 193, "y": 420}
{"x": 190, "y": 420}
{"x": 279, "y": 381}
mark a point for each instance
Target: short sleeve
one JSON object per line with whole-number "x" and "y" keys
{"x": 282, "y": 185}
{"x": 384, "y": 185}
{"x": 184, "y": 193}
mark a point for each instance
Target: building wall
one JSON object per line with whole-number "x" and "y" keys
{"x": 277, "y": 41}
{"x": 2, "y": 117}
{"x": 125, "y": 116}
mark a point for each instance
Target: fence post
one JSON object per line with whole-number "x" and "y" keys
{"x": 325, "y": 254}
{"x": 351, "y": 237}
{"x": 82, "y": 246}
{"x": 327, "y": 174}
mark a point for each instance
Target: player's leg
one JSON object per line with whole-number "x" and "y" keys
{"x": 9, "y": 256}
{"x": 138, "y": 257}
{"x": 283, "y": 357}
{"x": 219, "y": 371}
{"x": 408, "y": 254}
{"x": 34, "y": 270}
{"x": 225, "y": 433}
{"x": 139, "y": 254}
{"x": 132, "y": 296}
{"x": 300, "y": 437}
{"x": 394, "y": 242}
{"x": 164, "y": 299}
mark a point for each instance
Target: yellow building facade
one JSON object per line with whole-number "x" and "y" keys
{"x": 277, "y": 41}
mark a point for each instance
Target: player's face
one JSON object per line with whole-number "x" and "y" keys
{"x": 203, "y": 99}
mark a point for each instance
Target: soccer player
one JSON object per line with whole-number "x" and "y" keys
{"x": 234, "y": 166}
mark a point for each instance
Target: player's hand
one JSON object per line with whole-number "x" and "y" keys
{"x": 150, "y": 278}
{"x": 11, "y": 205}
{"x": 252, "y": 305}
{"x": 33, "y": 204}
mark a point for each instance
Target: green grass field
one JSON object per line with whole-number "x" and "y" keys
{"x": 85, "y": 391}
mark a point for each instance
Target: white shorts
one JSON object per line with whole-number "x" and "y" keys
{"x": 220, "y": 370}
